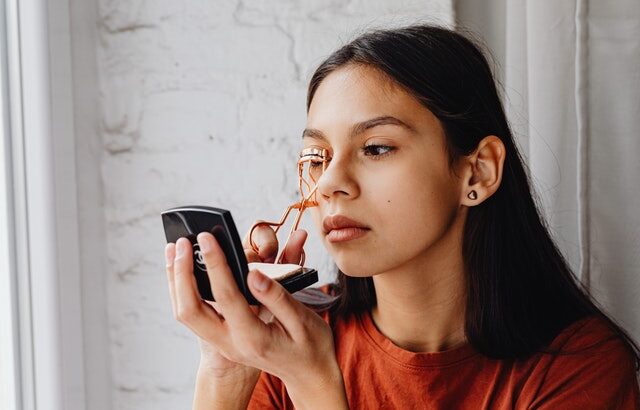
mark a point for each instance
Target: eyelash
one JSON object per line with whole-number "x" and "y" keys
{"x": 365, "y": 149}
{"x": 377, "y": 157}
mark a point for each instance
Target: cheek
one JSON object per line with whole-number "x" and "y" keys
{"x": 412, "y": 192}
{"x": 409, "y": 208}
{"x": 417, "y": 216}
{"x": 412, "y": 215}
{"x": 419, "y": 220}
{"x": 422, "y": 205}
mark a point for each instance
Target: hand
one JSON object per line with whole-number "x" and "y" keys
{"x": 211, "y": 361}
{"x": 296, "y": 345}
{"x": 267, "y": 242}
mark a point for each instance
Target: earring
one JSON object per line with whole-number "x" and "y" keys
{"x": 472, "y": 195}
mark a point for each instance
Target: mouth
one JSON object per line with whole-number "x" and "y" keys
{"x": 339, "y": 228}
{"x": 345, "y": 234}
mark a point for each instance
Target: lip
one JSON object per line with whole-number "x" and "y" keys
{"x": 340, "y": 228}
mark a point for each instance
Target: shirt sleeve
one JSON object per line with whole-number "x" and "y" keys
{"x": 602, "y": 376}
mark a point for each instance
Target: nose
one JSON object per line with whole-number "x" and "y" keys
{"x": 338, "y": 180}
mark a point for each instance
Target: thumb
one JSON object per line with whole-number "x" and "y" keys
{"x": 277, "y": 300}
{"x": 294, "y": 248}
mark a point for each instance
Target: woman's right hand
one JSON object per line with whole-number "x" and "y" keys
{"x": 212, "y": 363}
{"x": 267, "y": 243}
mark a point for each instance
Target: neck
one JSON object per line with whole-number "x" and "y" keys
{"x": 421, "y": 304}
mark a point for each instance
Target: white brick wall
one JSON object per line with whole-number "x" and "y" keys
{"x": 203, "y": 102}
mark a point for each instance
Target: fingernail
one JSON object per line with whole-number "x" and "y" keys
{"x": 168, "y": 254}
{"x": 260, "y": 281}
{"x": 181, "y": 247}
{"x": 205, "y": 242}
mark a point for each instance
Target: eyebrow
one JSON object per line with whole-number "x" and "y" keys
{"x": 360, "y": 127}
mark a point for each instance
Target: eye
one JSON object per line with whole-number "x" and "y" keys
{"x": 377, "y": 151}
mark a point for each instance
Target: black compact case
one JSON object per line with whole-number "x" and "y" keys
{"x": 189, "y": 221}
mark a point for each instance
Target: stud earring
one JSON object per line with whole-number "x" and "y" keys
{"x": 472, "y": 195}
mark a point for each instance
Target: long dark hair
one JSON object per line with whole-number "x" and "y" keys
{"x": 521, "y": 291}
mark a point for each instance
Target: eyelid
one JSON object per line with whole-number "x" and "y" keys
{"x": 385, "y": 143}
{"x": 378, "y": 144}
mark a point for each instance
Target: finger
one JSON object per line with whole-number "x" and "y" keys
{"x": 189, "y": 307}
{"x": 267, "y": 242}
{"x": 228, "y": 297}
{"x": 294, "y": 249}
{"x": 279, "y": 302}
{"x": 264, "y": 314}
{"x": 170, "y": 255}
{"x": 214, "y": 306}
{"x": 251, "y": 256}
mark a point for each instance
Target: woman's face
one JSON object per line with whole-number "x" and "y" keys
{"x": 391, "y": 176}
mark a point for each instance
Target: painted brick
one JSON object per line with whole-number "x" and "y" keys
{"x": 203, "y": 102}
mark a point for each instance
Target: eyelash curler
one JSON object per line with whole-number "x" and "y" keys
{"x": 312, "y": 164}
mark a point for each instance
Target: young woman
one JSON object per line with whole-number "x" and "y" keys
{"x": 451, "y": 292}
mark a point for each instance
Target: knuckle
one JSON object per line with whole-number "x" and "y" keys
{"x": 281, "y": 296}
{"x": 251, "y": 256}
{"x": 180, "y": 265}
{"x": 212, "y": 261}
{"x": 214, "y": 264}
{"x": 186, "y": 314}
{"x": 268, "y": 249}
{"x": 224, "y": 295}
{"x": 265, "y": 238}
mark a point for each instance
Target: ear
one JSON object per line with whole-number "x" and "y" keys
{"x": 482, "y": 170}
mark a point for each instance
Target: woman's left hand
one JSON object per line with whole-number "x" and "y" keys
{"x": 295, "y": 346}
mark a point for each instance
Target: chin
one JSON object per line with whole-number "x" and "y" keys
{"x": 355, "y": 269}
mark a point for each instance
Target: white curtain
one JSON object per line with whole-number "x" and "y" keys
{"x": 572, "y": 82}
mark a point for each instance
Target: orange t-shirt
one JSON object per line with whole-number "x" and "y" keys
{"x": 381, "y": 375}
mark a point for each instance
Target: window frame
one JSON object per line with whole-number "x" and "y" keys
{"x": 40, "y": 287}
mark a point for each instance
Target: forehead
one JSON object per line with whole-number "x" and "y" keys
{"x": 357, "y": 93}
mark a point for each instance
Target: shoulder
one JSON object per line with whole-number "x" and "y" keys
{"x": 592, "y": 339}
{"x": 590, "y": 365}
